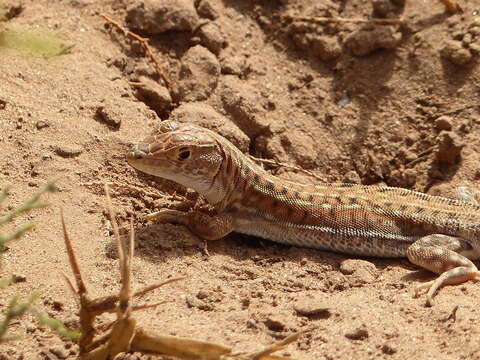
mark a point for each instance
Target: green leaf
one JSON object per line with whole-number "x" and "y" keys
{"x": 34, "y": 42}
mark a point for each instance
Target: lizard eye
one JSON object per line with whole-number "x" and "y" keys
{"x": 184, "y": 155}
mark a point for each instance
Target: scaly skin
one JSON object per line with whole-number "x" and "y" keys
{"x": 437, "y": 233}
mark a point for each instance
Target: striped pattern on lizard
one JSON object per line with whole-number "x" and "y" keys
{"x": 436, "y": 233}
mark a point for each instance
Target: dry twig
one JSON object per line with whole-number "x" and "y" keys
{"x": 123, "y": 335}
{"x": 148, "y": 50}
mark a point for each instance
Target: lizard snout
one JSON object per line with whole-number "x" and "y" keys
{"x": 138, "y": 151}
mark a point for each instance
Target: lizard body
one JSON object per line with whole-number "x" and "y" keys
{"x": 437, "y": 233}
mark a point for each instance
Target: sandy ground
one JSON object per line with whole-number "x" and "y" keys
{"x": 349, "y": 102}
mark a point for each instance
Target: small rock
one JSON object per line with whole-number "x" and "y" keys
{"x": 157, "y": 16}
{"x": 300, "y": 146}
{"x": 109, "y": 116}
{"x": 326, "y": 48}
{"x": 443, "y": 123}
{"x": 211, "y": 37}
{"x": 243, "y": 103}
{"x": 207, "y": 10}
{"x": 41, "y": 124}
{"x": 31, "y": 328}
{"x": 389, "y": 349}
{"x": 456, "y": 53}
{"x": 360, "y": 333}
{"x": 82, "y": 3}
{"x": 156, "y": 96}
{"x": 349, "y": 266}
{"x": 366, "y": 40}
{"x": 382, "y": 8}
{"x": 361, "y": 271}
{"x": 232, "y": 65}
{"x": 206, "y": 116}
{"x": 68, "y": 151}
{"x": 197, "y": 303}
{"x": 199, "y": 74}
{"x": 474, "y": 48}
{"x": 145, "y": 68}
{"x": 274, "y": 323}
{"x": 449, "y": 148}
{"x": 59, "y": 351}
{"x": 467, "y": 39}
{"x": 10, "y": 10}
{"x": 312, "y": 307}
{"x": 352, "y": 177}
{"x": 19, "y": 278}
{"x": 202, "y": 294}
{"x": 57, "y": 305}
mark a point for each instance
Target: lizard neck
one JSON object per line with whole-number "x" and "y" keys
{"x": 234, "y": 178}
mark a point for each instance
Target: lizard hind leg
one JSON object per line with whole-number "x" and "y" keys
{"x": 446, "y": 255}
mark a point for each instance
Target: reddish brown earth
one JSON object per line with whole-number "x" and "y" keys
{"x": 349, "y": 102}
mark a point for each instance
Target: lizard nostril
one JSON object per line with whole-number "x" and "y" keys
{"x": 139, "y": 151}
{"x": 137, "y": 155}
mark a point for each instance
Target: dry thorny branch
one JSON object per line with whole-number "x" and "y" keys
{"x": 123, "y": 335}
{"x": 146, "y": 47}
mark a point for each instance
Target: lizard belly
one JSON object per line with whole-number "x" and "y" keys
{"x": 349, "y": 241}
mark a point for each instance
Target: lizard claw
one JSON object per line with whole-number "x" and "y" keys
{"x": 169, "y": 216}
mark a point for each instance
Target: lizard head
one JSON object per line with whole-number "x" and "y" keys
{"x": 184, "y": 153}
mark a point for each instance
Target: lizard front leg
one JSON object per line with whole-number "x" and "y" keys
{"x": 445, "y": 255}
{"x": 208, "y": 227}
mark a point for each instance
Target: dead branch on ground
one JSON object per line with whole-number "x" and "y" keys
{"x": 146, "y": 47}
{"x": 123, "y": 334}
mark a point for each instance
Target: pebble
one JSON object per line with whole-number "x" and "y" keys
{"x": 312, "y": 307}
{"x": 207, "y": 10}
{"x": 59, "y": 351}
{"x": 211, "y": 37}
{"x": 326, "y": 48}
{"x": 454, "y": 52}
{"x": 157, "y": 16}
{"x": 232, "y": 65}
{"x": 199, "y": 74}
{"x": 361, "y": 272}
{"x": 449, "y": 147}
{"x": 350, "y": 266}
{"x": 443, "y": 123}
{"x": 389, "y": 349}
{"x": 107, "y": 115}
{"x": 366, "y": 40}
{"x": 193, "y": 302}
{"x": 243, "y": 103}
{"x": 156, "y": 96}
{"x": 68, "y": 151}
{"x": 41, "y": 124}
{"x": 360, "y": 333}
{"x": 274, "y": 323}
{"x": 19, "y": 278}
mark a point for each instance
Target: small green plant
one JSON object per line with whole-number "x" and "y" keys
{"x": 17, "y": 308}
{"x": 33, "y": 42}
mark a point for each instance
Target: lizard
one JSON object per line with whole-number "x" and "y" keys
{"x": 437, "y": 233}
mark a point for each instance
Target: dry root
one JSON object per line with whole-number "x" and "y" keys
{"x": 123, "y": 335}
